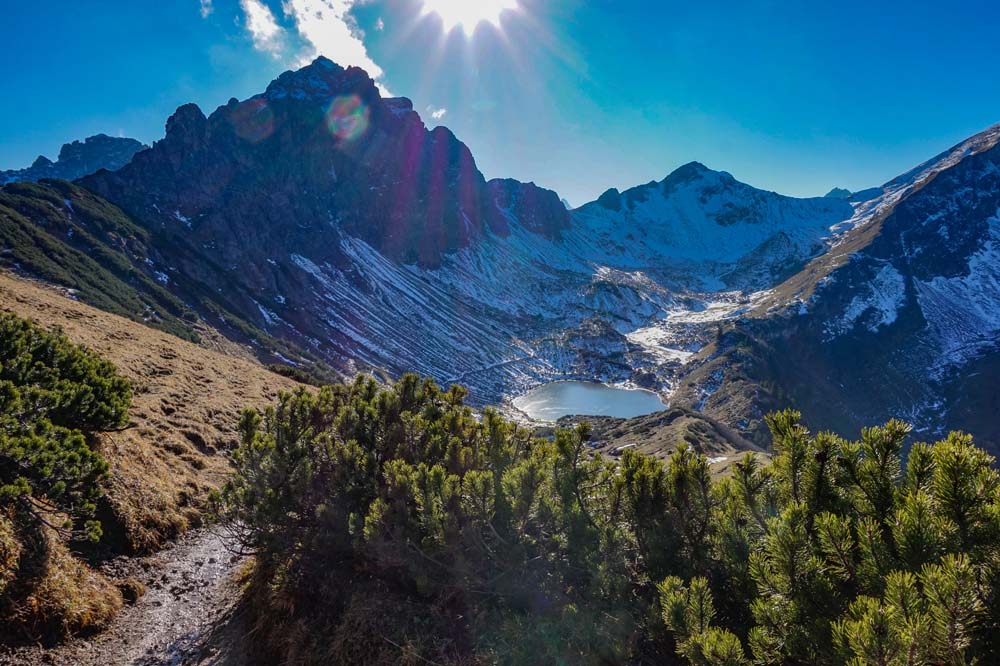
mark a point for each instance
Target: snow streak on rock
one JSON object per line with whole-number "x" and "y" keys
{"x": 963, "y": 312}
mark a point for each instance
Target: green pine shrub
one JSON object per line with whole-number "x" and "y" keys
{"x": 54, "y": 398}
{"x": 392, "y": 525}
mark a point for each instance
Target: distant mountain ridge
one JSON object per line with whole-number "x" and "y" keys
{"x": 326, "y": 225}
{"x": 710, "y": 220}
{"x": 857, "y": 197}
{"x": 333, "y": 219}
{"x": 78, "y": 159}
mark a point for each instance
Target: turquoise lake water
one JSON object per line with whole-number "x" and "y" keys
{"x": 551, "y": 402}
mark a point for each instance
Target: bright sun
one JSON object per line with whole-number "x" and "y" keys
{"x": 468, "y": 13}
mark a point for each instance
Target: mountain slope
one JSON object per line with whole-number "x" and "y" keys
{"x": 63, "y": 234}
{"x": 186, "y": 406}
{"x": 308, "y": 212}
{"x": 324, "y": 216}
{"x": 78, "y": 159}
{"x": 900, "y": 317}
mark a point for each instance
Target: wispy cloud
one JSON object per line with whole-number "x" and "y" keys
{"x": 437, "y": 114}
{"x": 206, "y": 8}
{"x": 267, "y": 35}
{"x": 329, "y": 29}
{"x": 323, "y": 27}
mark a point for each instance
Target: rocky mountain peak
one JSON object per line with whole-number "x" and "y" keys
{"x": 186, "y": 118}
{"x": 79, "y": 158}
{"x": 186, "y": 127}
{"x": 689, "y": 171}
{"x": 99, "y": 147}
{"x": 537, "y": 209}
{"x": 696, "y": 174}
{"x": 854, "y": 197}
{"x": 611, "y": 199}
{"x": 307, "y": 169}
{"x": 321, "y": 81}
{"x": 399, "y": 106}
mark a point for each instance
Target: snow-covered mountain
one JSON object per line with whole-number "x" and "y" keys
{"x": 333, "y": 219}
{"x": 710, "y": 223}
{"x": 900, "y": 317}
{"x": 322, "y": 223}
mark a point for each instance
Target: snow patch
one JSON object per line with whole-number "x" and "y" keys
{"x": 963, "y": 312}
{"x": 657, "y": 340}
{"x": 269, "y": 317}
{"x": 284, "y": 359}
{"x": 877, "y": 308}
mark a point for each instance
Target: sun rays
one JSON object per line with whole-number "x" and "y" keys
{"x": 467, "y": 14}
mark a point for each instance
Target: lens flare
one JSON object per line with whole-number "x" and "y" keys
{"x": 253, "y": 120}
{"x": 348, "y": 116}
{"x": 468, "y": 13}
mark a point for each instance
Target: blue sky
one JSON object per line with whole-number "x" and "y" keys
{"x": 576, "y": 95}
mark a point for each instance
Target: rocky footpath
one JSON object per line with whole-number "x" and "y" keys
{"x": 187, "y": 616}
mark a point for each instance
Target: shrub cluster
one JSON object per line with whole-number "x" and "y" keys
{"x": 393, "y": 525}
{"x": 54, "y": 397}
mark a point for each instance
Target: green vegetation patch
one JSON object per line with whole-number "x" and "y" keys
{"x": 62, "y": 234}
{"x": 391, "y": 525}
{"x": 54, "y": 398}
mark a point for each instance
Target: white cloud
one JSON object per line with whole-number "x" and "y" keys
{"x": 267, "y": 35}
{"x": 206, "y": 8}
{"x": 437, "y": 114}
{"x": 329, "y": 29}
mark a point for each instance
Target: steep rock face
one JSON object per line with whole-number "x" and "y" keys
{"x": 79, "y": 159}
{"x": 902, "y": 316}
{"x": 333, "y": 219}
{"x": 318, "y": 156}
{"x": 538, "y": 210}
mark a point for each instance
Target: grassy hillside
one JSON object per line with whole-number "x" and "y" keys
{"x": 187, "y": 402}
{"x": 64, "y": 235}
{"x": 60, "y": 233}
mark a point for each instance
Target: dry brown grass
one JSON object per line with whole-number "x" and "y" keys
{"x": 187, "y": 403}
{"x": 186, "y": 406}
{"x": 10, "y": 553}
{"x": 67, "y": 597}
